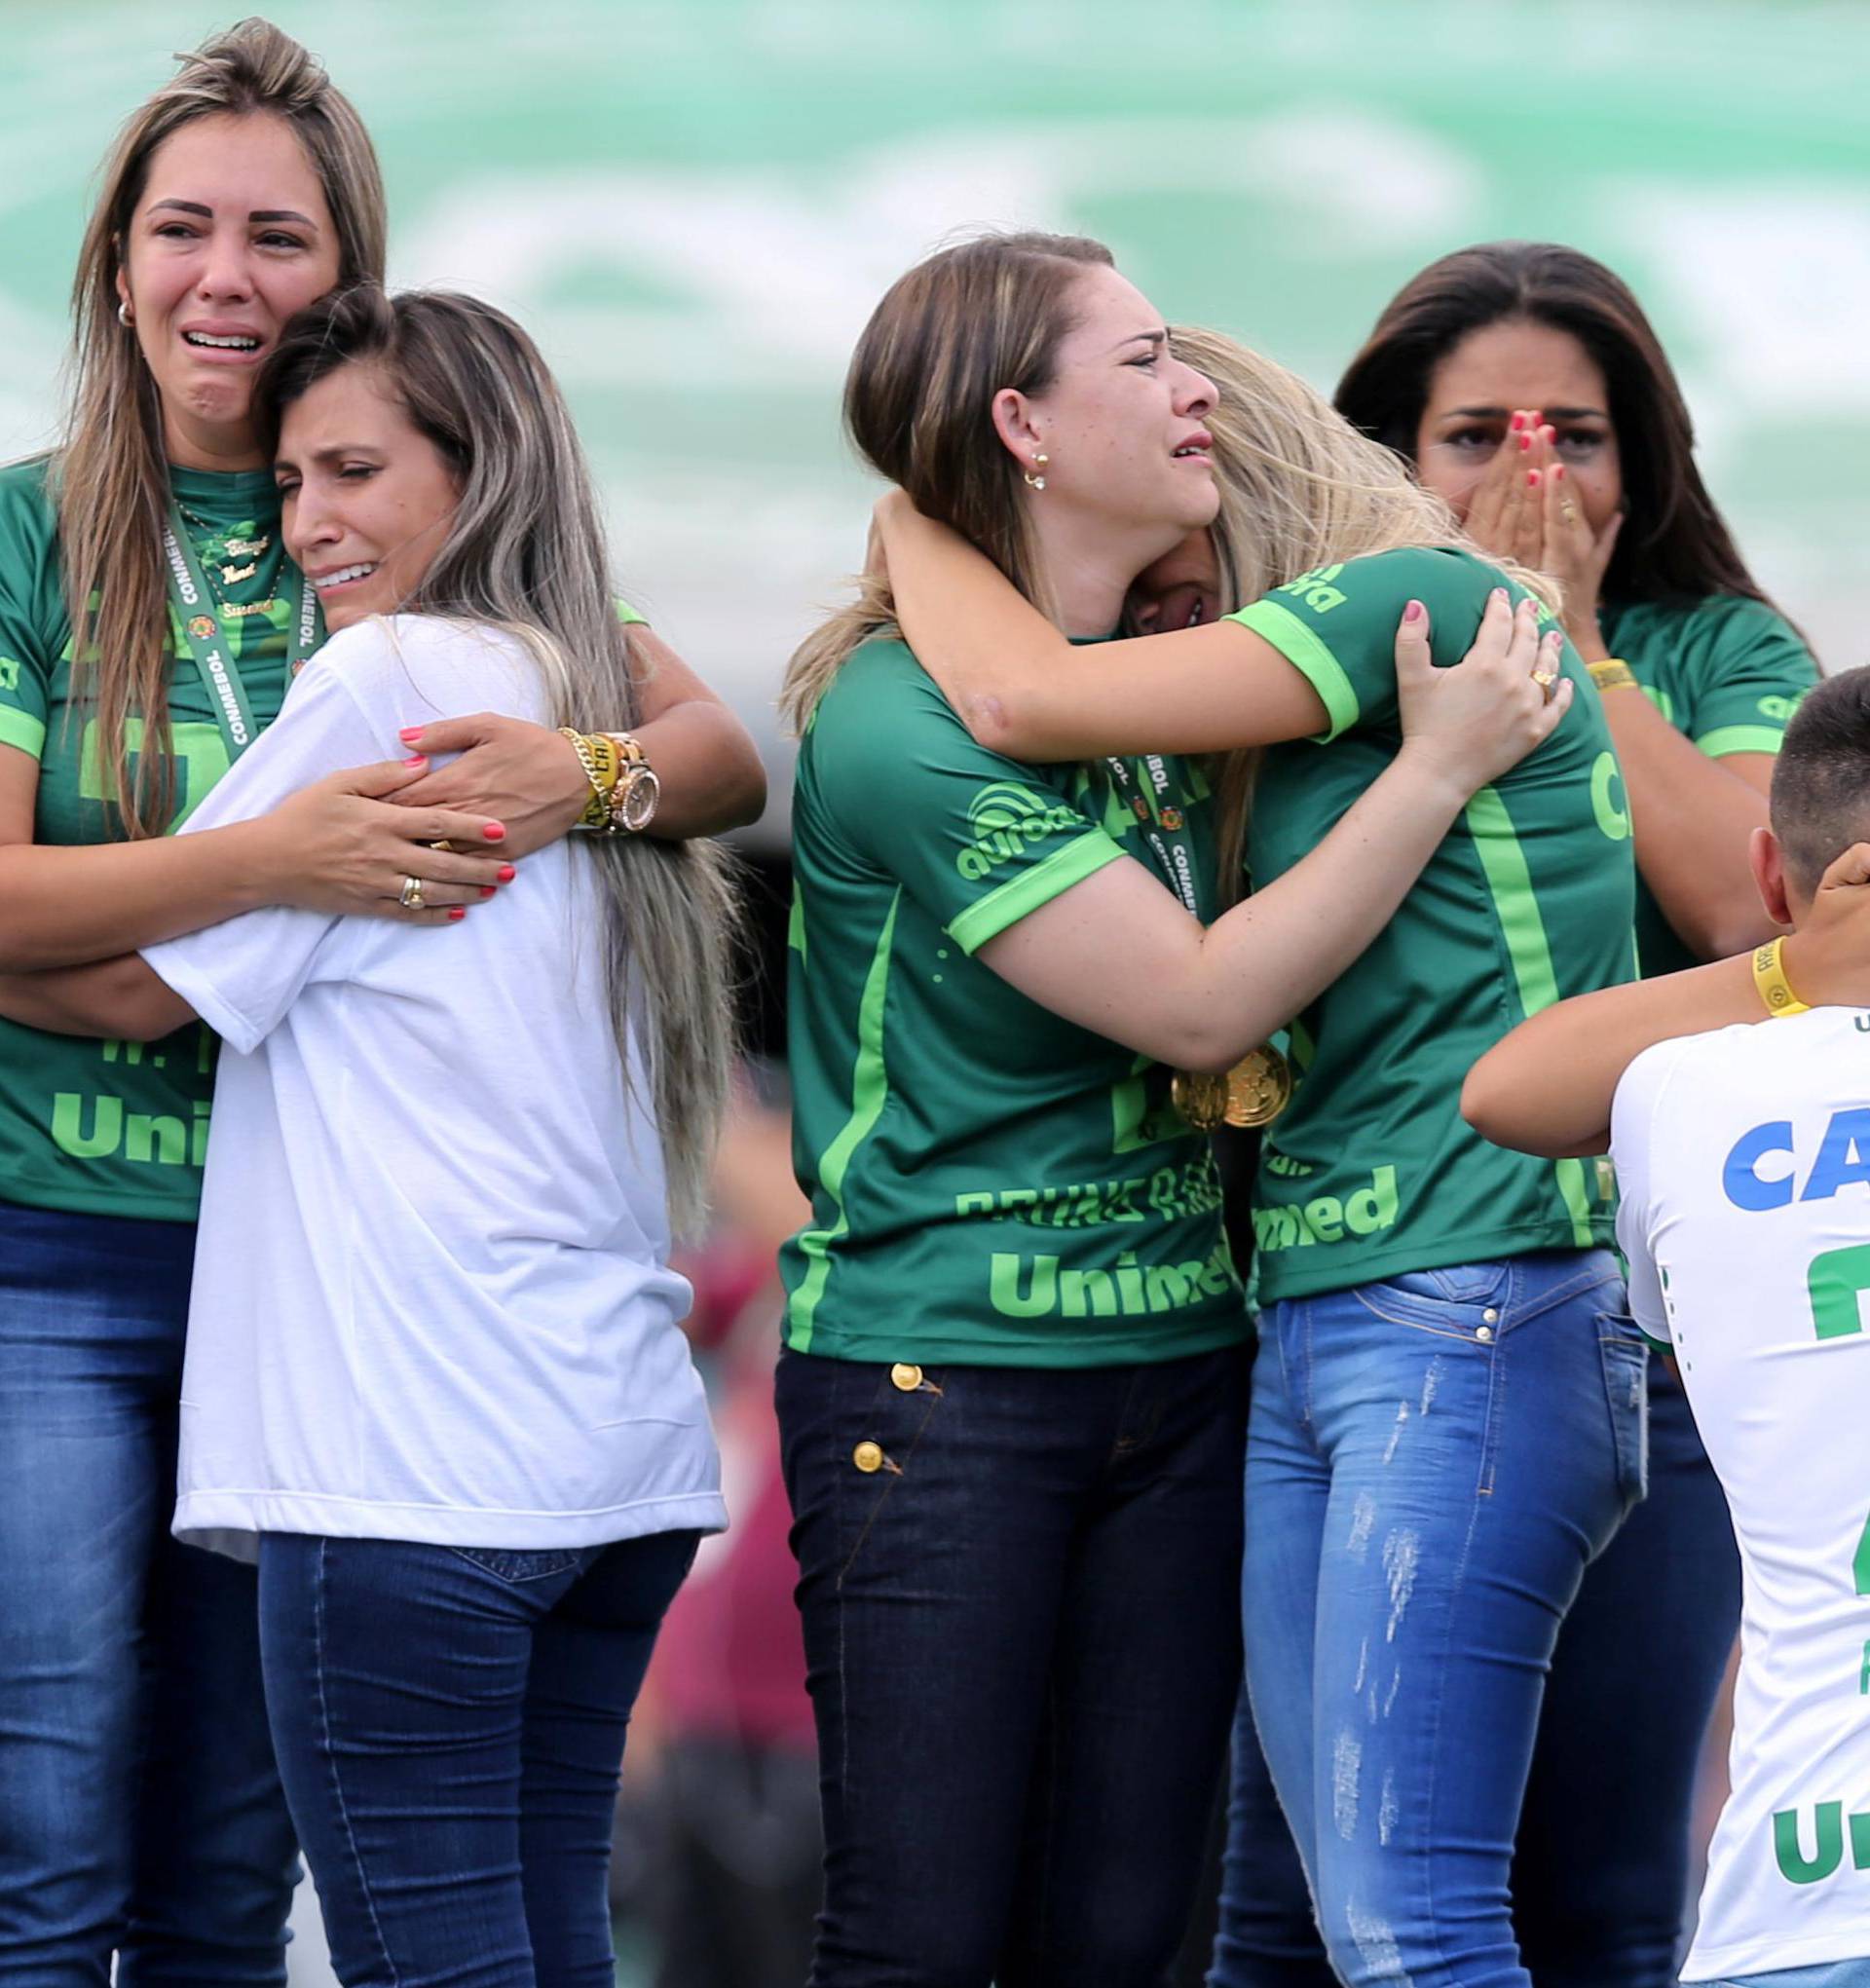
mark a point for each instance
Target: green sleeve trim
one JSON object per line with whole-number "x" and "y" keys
{"x": 1727, "y": 738}
{"x": 1020, "y": 896}
{"x": 1307, "y": 654}
{"x": 627, "y": 614}
{"x": 1654, "y": 1344}
{"x": 21, "y": 729}
{"x": 869, "y": 1093}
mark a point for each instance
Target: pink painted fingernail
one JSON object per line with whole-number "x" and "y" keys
{"x": 1518, "y": 422}
{"x": 1532, "y": 479}
{"x": 1557, "y": 472}
{"x": 410, "y": 734}
{"x": 1525, "y": 442}
{"x": 1498, "y": 594}
{"x": 456, "y": 913}
{"x": 506, "y": 873}
{"x": 486, "y": 891}
{"x": 1413, "y": 612}
{"x": 420, "y": 760}
{"x": 495, "y": 832}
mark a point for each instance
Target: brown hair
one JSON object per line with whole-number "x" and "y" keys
{"x": 111, "y": 475}
{"x": 526, "y": 551}
{"x": 963, "y": 325}
{"x": 1674, "y": 542}
{"x": 1821, "y": 801}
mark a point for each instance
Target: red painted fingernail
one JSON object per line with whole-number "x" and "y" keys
{"x": 1549, "y": 433}
{"x": 495, "y": 832}
{"x": 1498, "y": 594}
{"x": 420, "y": 760}
{"x": 1518, "y": 422}
{"x": 411, "y": 733}
{"x": 486, "y": 891}
{"x": 1557, "y": 472}
{"x": 1532, "y": 479}
{"x": 1525, "y": 442}
{"x": 456, "y": 913}
{"x": 506, "y": 873}
{"x": 1413, "y": 612}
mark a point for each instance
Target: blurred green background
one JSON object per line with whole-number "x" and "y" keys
{"x": 695, "y": 205}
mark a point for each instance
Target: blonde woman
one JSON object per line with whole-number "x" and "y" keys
{"x": 436, "y": 1384}
{"x": 1011, "y": 1398}
{"x": 1447, "y": 1402}
{"x": 150, "y": 620}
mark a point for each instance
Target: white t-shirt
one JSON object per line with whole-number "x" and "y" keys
{"x": 1743, "y": 1160}
{"x": 432, "y": 1299}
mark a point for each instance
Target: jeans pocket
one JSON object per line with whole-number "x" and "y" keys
{"x": 505, "y": 1563}
{"x": 1624, "y": 1355}
{"x": 1465, "y": 1301}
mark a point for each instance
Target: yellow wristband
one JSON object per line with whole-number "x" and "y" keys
{"x": 598, "y": 755}
{"x": 1613, "y": 674}
{"x": 1769, "y": 976}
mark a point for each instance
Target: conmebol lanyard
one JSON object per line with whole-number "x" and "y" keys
{"x": 195, "y": 609}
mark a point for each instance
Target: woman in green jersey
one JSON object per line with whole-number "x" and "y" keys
{"x": 1011, "y": 1390}
{"x": 149, "y": 620}
{"x": 1522, "y": 383}
{"x": 1447, "y": 1404}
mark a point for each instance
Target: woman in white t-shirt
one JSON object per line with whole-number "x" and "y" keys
{"x": 435, "y": 1379}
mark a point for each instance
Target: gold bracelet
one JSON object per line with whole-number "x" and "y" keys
{"x": 597, "y": 754}
{"x": 1613, "y": 674}
{"x": 637, "y": 789}
{"x": 1769, "y": 976}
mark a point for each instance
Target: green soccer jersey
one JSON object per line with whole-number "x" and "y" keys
{"x": 1529, "y": 898}
{"x": 121, "y": 1128}
{"x": 990, "y": 1185}
{"x": 1728, "y": 672}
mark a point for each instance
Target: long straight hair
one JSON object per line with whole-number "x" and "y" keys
{"x": 110, "y": 473}
{"x": 1676, "y": 543}
{"x": 1300, "y": 488}
{"x": 955, "y": 330}
{"x": 526, "y": 551}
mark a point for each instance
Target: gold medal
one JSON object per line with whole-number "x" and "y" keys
{"x": 1200, "y": 1097}
{"x": 1258, "y": 1087}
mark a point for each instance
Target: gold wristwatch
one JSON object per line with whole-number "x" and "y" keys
{"x": 634, "y": 798}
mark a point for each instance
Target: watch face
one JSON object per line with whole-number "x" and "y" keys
{"x": 641, "y": 792}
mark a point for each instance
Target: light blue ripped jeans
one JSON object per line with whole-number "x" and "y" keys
{"x": 1431, "y": 1464}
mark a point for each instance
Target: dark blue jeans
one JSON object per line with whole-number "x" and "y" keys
{"x": 1600, "y": 1864}
{"x": 140, "y": 1811}
{"x": 1022, "y": 1650}
{"x": 1432, "y": 1462}
{"x": 450, "y": 1722}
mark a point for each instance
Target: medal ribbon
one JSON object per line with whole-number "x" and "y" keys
{"x": 194, "y": 602}
{"x": 1174, "y": 852}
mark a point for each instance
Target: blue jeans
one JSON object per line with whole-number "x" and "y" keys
{"x": 140, "y": 1811}
{"x": 1600, "y": 1867}
{"x": 1023, "y": 1652}
{"x": 1835, "y": 1974}
{"x": 1432, "y": 1463}
{"x": 450, "y": 1722}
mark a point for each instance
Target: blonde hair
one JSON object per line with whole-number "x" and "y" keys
{"x": 1300, "y": 488}
{"x": 111, "y": 476}
{"x": 958, "y": 328}
{"x": 526, "y": 551}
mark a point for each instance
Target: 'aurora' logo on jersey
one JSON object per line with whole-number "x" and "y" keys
{"x": 1004, "y": 819}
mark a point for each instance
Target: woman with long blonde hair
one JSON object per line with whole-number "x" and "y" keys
{"x": 436, "y": 1384}
{"x": 150, "y": 620}
{"x": 1447, "y": 1414}
{"x": 1011, "y": 1394}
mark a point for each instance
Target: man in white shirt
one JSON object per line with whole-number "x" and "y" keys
{"x": 1743, "y": 1160}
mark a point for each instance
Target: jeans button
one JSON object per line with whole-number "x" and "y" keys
{"x": 868, "y": 1457}
{"x": 1491, "y": 1316}
{"x": 1484, "y": 1333}
{"x": 906, "y": 1376}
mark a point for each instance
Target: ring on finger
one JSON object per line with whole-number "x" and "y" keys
{"x": 1568, "y": 511}
{"x": 1546, "y": 678}
{"x": 446, "y": 848}
{"x": 411, "y": 898}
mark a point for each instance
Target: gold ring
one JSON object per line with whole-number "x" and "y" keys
{"x": 1568, "y": 511}
{"x": 1545, "y": 679}
{"x": 446, "y": 848}
{"x": 411, "y": 898}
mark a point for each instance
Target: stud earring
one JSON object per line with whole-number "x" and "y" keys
{"x": 1038, "y": 463}
{"x": 123, "y": 318}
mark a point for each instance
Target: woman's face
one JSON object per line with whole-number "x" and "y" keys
{"x": 230, "y": 237}
{"x": 1180, "y": 590}
{"x": 369, "y": 498}
{"x": 1121, "y": 422}
{"x": 1503, "y": 367}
